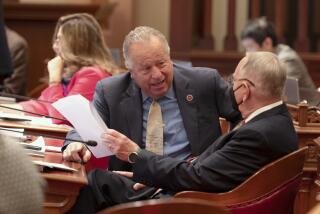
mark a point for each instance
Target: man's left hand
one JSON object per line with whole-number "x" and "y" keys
{"x": 119, "y": 144}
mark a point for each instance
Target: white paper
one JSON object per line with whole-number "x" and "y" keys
{"x": 7, "y": 100}
{"x": 41, "y": 143}
{"x": 85, "y": 120}
{"x": 53, "y": 149}
{"x": 16, "y": 133}
{"x": 54, "y": 165}
{"x": 33, "y": 120}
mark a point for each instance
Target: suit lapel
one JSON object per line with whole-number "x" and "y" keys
{"x": 132, "y": 110}
{"x": 187, "y": 101}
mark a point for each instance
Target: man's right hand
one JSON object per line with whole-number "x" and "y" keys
{"x": 77, "y": 152}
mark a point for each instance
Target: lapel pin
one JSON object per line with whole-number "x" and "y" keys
{"x": 189, "y": 97}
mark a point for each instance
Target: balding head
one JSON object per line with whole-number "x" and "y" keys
{"x": 266, "y": 71}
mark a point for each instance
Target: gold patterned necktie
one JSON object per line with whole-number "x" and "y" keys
{"x": 154, "y": 137}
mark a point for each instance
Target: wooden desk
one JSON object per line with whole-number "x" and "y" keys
{"x": 62, "y": 187}
{"x": 306, "y": 197}
{"x": 35, "y": 129}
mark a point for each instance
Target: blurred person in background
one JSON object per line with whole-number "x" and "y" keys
{"x": 259, "y": 35}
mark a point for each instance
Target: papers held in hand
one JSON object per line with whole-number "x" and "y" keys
{"x": 89, "y": 126}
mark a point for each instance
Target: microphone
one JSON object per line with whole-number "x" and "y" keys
{"x": 89, "y": 142}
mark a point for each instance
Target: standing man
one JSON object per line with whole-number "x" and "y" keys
{"x": 266, "y": 135}
{"x": 191, "y": 101}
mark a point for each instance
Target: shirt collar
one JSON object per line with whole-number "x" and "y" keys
{"x": 263, "y": 109}
{"x": 169, "y": 95}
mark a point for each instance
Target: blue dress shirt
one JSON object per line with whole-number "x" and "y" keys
{"x": 176, "y": 143}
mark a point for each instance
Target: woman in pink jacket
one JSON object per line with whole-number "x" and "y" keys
{"x": 82, "y": 59}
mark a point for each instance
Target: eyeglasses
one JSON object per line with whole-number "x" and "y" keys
{"x": 231, "y": 81}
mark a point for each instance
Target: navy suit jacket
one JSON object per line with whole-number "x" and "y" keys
{"x": 226, "y": 163}
{"x": 119, "y": 102}
{"x": 5, "y": 62}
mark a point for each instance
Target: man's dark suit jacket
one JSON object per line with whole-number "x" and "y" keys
{"x": 119, "y": 102}
{"x": 229, "y": 161}
{"x": 5, "y": 61}
{"x": 16, "y": 82}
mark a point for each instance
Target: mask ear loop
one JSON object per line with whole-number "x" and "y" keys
{"x": 247, "y": 87}
{"x": 233, "y": 98}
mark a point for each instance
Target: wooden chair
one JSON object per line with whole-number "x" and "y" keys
{"x": 166, "y": 206}
{"x": 270, "y": 190}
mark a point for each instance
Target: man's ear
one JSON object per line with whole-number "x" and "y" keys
{"x": 267, "y": 44}
{"x": 246, "y": 93}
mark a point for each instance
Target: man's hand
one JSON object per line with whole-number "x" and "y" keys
{"x": 77, "y": 152}
{"x": 119, "y": 144}
{"x": 136, "y": 186}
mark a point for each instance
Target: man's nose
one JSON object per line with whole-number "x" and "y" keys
{"x": 156, "y": 72}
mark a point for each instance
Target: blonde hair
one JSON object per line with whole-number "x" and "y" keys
{"x": 82, "y": 43}
{"x": 266, "y": 71}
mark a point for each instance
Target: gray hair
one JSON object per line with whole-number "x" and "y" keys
{"x": 142, "y": 34}
{"x": 266, "y": 71}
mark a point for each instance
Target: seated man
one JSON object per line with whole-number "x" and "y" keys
{"x": 259, "y": 35}
{"x": 266, "y": 135}
{"x": 191, "y": 100}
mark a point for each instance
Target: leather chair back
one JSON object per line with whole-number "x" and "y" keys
{"x": 270, "y": 190}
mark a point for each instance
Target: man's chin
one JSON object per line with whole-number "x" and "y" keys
{"x": 158, "y": 95}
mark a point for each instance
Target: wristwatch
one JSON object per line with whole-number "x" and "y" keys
{"x": 133, "y": 156}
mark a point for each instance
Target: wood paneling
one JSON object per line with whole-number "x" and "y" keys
{"x": 227, "y": 61}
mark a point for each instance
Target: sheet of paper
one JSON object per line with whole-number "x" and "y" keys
{"x": 7, "y": 100}
{"x": 54, "y": 165}
{"x": 39, "y": 142}
{"x": 29, "y": 119}
{"x": 16, "y": 133}
{"x": 85, "y": 120}
{"x": 53, "y": 149}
